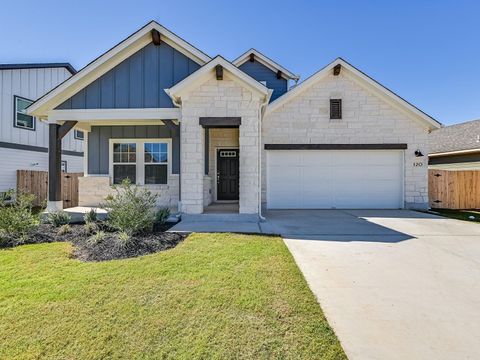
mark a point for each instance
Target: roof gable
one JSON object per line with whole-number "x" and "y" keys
{"x": 137, "y": 82}
{"x": 109, "y": 60}
{"x": 208, "y": 70}
{"x": 363, "y": 80}
{"x": 266, "y": 61}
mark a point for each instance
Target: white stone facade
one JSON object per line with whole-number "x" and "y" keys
{"x": 366, "y": 118}
{"x": 92, "y": 191}
{"x": 219, "y": 98}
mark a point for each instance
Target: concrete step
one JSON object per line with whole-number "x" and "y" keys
{"x": 253, "y": 218}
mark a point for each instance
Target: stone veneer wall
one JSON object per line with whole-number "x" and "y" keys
{"x": 367, "y": 118}
{"x": 92, "y": 191}
{"x": 219, "y": 98}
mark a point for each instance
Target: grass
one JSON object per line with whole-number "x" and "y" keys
{"x": 214, "y": 296}
{"x": 459, "y": 214}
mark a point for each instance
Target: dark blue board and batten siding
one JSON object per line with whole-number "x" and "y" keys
{"x": 137, "y": 82}
{"x": 98, "y": 143}
{"x": 260, "y": 72}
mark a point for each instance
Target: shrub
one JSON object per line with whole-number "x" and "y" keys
{"x": 64, "y": 229}
{"x": 58, "y": 218}
{"x": 16, "y": 218}
{"x": 123, "y": 239}
{"x": 90, "y": 227}
{"x": 91, "y": 216}
{"x": 162, "y": 215}
{"x": 131, "y": 209}
{"x": 97, "y": 238}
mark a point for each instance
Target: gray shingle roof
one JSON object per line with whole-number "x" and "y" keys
{"x": 464, "y": 136}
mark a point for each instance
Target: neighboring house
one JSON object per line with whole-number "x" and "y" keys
{"x": 24, "y": 139}
{"x": 197, "y": 130}
{"x": 455, "y": 147}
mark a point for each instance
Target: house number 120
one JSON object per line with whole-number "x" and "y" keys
{"x": 417, "y": 164}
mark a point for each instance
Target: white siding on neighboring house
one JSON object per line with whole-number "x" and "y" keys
{"x": 30, "y": 84}
{"x": 12, "y": 160}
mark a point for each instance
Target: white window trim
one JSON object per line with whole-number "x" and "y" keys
{"x": 140, "y": 164}
{"x": 16, "y": 111}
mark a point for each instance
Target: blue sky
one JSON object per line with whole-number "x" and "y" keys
{"x": 426, "y": 51}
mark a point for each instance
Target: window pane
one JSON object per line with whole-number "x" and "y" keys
{"x": 148, "y": 147}
{"x": 22, "y": 104}
{"x": 79, "y": 134}
{"x": 148, "y": 158}
{"x": 156, "y": 147}
{"x": 121, "y": 172}
{"x": 163, "y": 157}
{"x": 24, "y": 120}
{"x": 163, "y": 147}
{"x": 122, "y": 153}
{"x": 155, "y": 174}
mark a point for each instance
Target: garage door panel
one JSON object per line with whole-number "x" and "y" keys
{"x": 334, "y": 179}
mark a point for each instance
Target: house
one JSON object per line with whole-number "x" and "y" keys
{"x": 455, "y": 147}
{"x": 202, "y": 131}
{"x": 24, "y": 139}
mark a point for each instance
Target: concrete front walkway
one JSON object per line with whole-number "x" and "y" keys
{"x": 393, "y": 284}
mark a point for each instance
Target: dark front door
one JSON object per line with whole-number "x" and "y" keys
{"x": 227, "y": 174}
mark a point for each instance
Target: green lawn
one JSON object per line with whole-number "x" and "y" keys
{"x": 214, "y": 296}
{"x": 459, "y": 214}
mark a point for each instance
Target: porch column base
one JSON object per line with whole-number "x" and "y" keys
{"x": 53, "y": 206}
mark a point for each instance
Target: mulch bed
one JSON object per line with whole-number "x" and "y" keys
{"x": 110, "y": 247}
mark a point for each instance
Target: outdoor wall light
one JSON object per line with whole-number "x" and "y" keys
{"x": 418, "y": 153}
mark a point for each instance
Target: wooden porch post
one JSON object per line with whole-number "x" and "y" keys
{"x": 55, "y": 134}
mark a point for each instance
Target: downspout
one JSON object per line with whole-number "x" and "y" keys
{"x": 263, "y": 107}
{"x": 178, "y": 103}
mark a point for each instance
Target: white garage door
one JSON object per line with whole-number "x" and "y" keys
{"x": 342, "y": 179}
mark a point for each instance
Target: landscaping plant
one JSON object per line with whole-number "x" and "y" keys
{"x": 58, "y": 218}
{"x": 90, "y": 217}
{"x": 131, "y": 209}
{"x": 162, "y": 215}
{"x": 16, "y": 218}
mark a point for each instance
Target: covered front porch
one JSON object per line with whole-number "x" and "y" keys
{"x": 118, "y": 144}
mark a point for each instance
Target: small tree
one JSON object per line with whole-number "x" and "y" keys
{"x": 16, "y": 218}
{"x": 131, "y": 209}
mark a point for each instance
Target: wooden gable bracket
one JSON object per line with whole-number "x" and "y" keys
{"x": 65, "y": 128}
{"x": 279, "y": 74}
{"x": 219, "y": 72}
{"x": 252, "y": 57}
{"x": 336, "y": 69}
{"x": 155, "y": 37}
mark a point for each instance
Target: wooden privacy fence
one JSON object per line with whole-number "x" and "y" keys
{"x": 36, "y": 182}
{"x": 449, "y": 189}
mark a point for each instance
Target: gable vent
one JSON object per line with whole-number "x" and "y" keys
{"x": 335, "y": 108}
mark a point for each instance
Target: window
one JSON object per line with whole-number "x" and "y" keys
{"x": 78, "y": 134}
{"x": 156, "y": 159}
{"x": 144, "y": 162}
{"x": 124, "y": 162}
{"x": 21, "y": 119}
{"x": 335, "y": 108}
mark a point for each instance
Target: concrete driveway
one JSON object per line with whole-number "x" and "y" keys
{"x": 393, "y": 284}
